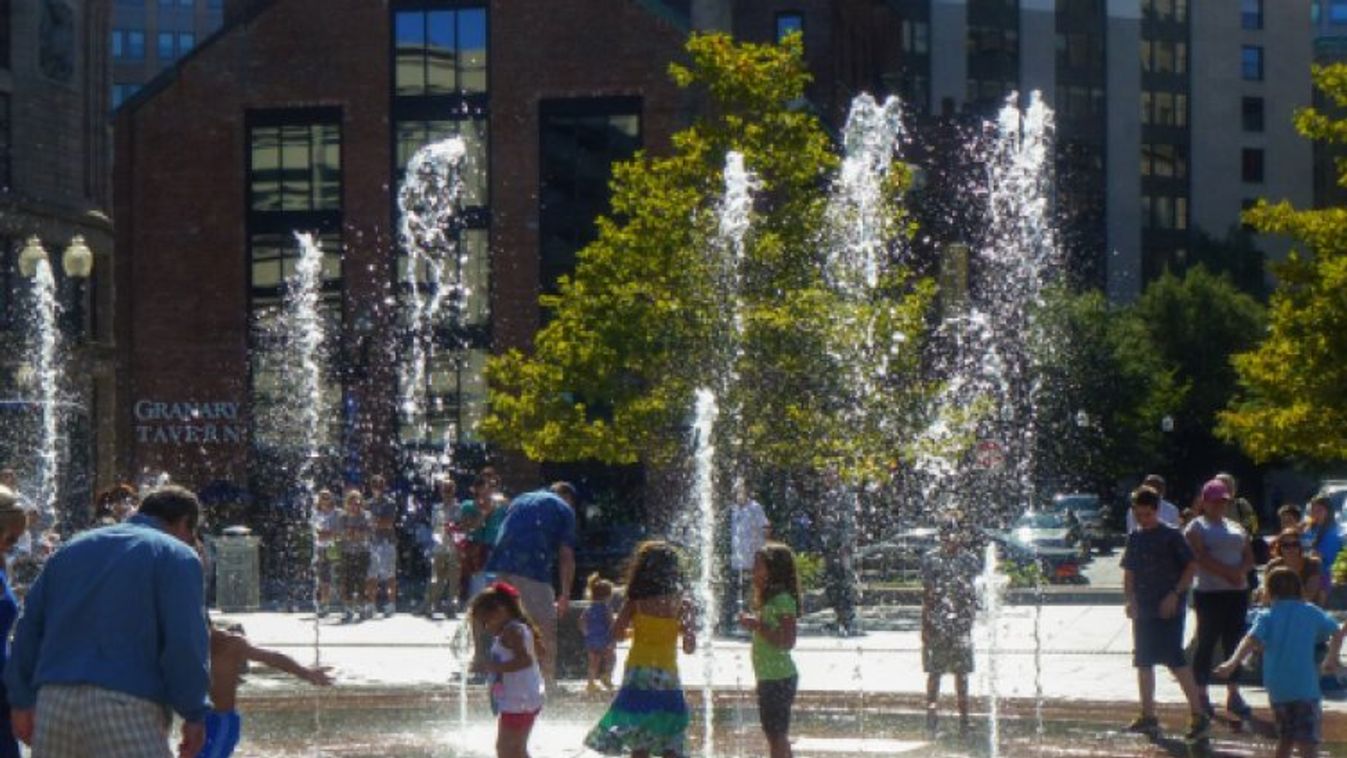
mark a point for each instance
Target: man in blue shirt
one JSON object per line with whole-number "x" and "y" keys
{"x": 114, "y": 634}
{"x": 1287, "y": 633}
{"x": 536, "y": 538}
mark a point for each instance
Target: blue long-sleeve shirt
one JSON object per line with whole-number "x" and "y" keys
{"x": 120, "y": 607}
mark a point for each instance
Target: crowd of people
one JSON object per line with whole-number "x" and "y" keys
{"x": 1209, "y": 555}
{"x": 114, "y": 633}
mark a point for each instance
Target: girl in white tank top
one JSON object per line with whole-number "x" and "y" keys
{"x": 516, "y": 679}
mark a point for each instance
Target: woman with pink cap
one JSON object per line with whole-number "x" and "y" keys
{"x": 1221, "y": 592}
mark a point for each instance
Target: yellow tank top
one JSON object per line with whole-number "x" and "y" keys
{"x": 654, "y": 641}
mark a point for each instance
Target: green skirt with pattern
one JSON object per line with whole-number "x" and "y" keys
{"x": 649, "y": 713}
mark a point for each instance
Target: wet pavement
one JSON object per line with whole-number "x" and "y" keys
{"x": 1067, "y": 667}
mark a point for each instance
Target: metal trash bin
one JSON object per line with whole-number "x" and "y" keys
{"x": 237, "y": 574}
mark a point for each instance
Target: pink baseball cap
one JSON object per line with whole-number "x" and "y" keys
{"x": 1215, "y": 490}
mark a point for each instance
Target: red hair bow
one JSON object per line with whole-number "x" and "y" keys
{"x": 506, "y": 589}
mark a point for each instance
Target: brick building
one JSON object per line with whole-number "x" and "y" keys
{"x": 299, "y": 115}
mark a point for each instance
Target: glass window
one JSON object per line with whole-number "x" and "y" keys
{"x": 1251, "y": 14}
{"x": 455, "y": 397}
{"x": 295, "y": 167}
{"x": 440, "y": 52}
{"x": 788, "y": 24}
{"x": 1145, "y": 107}
{"x": 1251, "y": 165}
{"x": 165, "y": 48}
{"x": 186, "y": 3}
{"x": 115, "y": 43}
{"x": 1251, "y": 113}
{"x": 135, "y": 45}
{"x": 186, "y": 41}
{"x": 580, "y": 142}
{"x": 1251, "y": 63}
{"x": 1337, "y": 11}
{"x": 1180, "y": 110}
{"x": 413, "y": 135}
{"x": 1164, "y": 109}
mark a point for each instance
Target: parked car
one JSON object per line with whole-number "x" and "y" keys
{"x": 1042, "y": 538}
{"x": 896, "y": 558}
{"x": 1093, "y": 516}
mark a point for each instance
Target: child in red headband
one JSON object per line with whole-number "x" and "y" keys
{"x": 516, "y": 680}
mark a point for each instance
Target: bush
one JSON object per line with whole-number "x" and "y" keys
{"x": 809, "y": 568}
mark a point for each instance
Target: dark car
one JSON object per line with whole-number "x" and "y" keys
{"x": 1093, "y": 516}
{"x": 1040, "y": 538}
{"x": 897, "y": 558}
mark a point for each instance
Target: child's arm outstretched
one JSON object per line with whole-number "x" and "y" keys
{"x": 315, "y": 675}
{"x": 1247, "y": 645}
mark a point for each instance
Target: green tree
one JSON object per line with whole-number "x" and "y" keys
{"x": 647, "y": 317}
{"x": 1103, "y": 391}
{"x": 1196, "y": 322}
{"x": 1292, "y": 398}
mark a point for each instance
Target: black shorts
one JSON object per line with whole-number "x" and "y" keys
{"x": 775, "y": 698}
{"x": 1299, "y": 720}
{"x": 1158, "y": 642}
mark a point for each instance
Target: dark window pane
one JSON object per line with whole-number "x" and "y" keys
{"x": 1251, "y": 63}
{"x": 135, "y": 45}
{"x": 186, "y": 41}
{"x": 1251, "y": 14}
{"x": 115, "y": 43}
{"x": 5, "y": 141}
{"x": 165, "y": 47}
{"x": 1337, "y": 11}
{"x": 1251, "y": 165}
{"x": 1252, "y": 114}
{"x": 472, "y": 46}
{"x": 4, "y": 35}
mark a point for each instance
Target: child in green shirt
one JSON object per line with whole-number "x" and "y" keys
{"x": 776, "y": 597}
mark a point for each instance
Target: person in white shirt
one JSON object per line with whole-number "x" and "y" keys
{"x": 749, "y": 529}
{"x": 1169, "y": 513}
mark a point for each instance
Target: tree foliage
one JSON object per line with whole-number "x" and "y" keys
{"x": 647, "y": 317}
{"x": 1097, "y": 365}
{"x": 1292, "y": 399}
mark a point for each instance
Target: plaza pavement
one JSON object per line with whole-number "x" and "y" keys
{"x": 1076, "y": 653}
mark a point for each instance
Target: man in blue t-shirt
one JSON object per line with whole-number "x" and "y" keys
{"x": 536, "y": 539}
{"x": 1158, "y": 567}
{"x": 1287, "y": 633}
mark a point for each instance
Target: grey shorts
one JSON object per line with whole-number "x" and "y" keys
{"x": 383, "y": 561}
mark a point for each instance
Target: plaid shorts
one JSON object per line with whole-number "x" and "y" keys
{"x": 76, "y": 721}
{"x": 1299, "y": 720}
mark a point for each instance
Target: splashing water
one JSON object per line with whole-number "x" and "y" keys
{"x": 45, "y": 340}
{"x": 991, "y": 587}
{"x": 704, "y": 455}
{"x": 430, "y": 201}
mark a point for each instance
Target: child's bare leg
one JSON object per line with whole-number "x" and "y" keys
{"x": 512, "y": 743}
{"x": 932, "y": 690}
{"x": 1308, "y": 749}
{"x": 961, "y": 693}
{"x": 1284, "y": 746}
{"x": 594, "y": 666}
{"x": 779, "y": 745}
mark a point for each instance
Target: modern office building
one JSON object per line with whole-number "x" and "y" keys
{"x": 1329, "y": 18}
{"x": 54, "y": 192}
{"x": 147, "y": 36}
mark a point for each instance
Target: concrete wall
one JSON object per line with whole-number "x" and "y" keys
{"x": 1218, "y": 89}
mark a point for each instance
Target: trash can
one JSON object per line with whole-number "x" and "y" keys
{"x": 236, "y": 570}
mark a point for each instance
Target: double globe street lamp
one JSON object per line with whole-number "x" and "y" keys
{"x": 77, "y": 262}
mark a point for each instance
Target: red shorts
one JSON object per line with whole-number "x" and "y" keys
{"x": 518, "y": 721}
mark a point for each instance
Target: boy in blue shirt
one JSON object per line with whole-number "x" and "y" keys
{"x": 1287, "y": 633}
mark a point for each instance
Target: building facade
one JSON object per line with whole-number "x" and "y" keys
{"x": 55, "y": 187}
{"x": 147, "y": 36}
{"x": 262, "y": 132}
